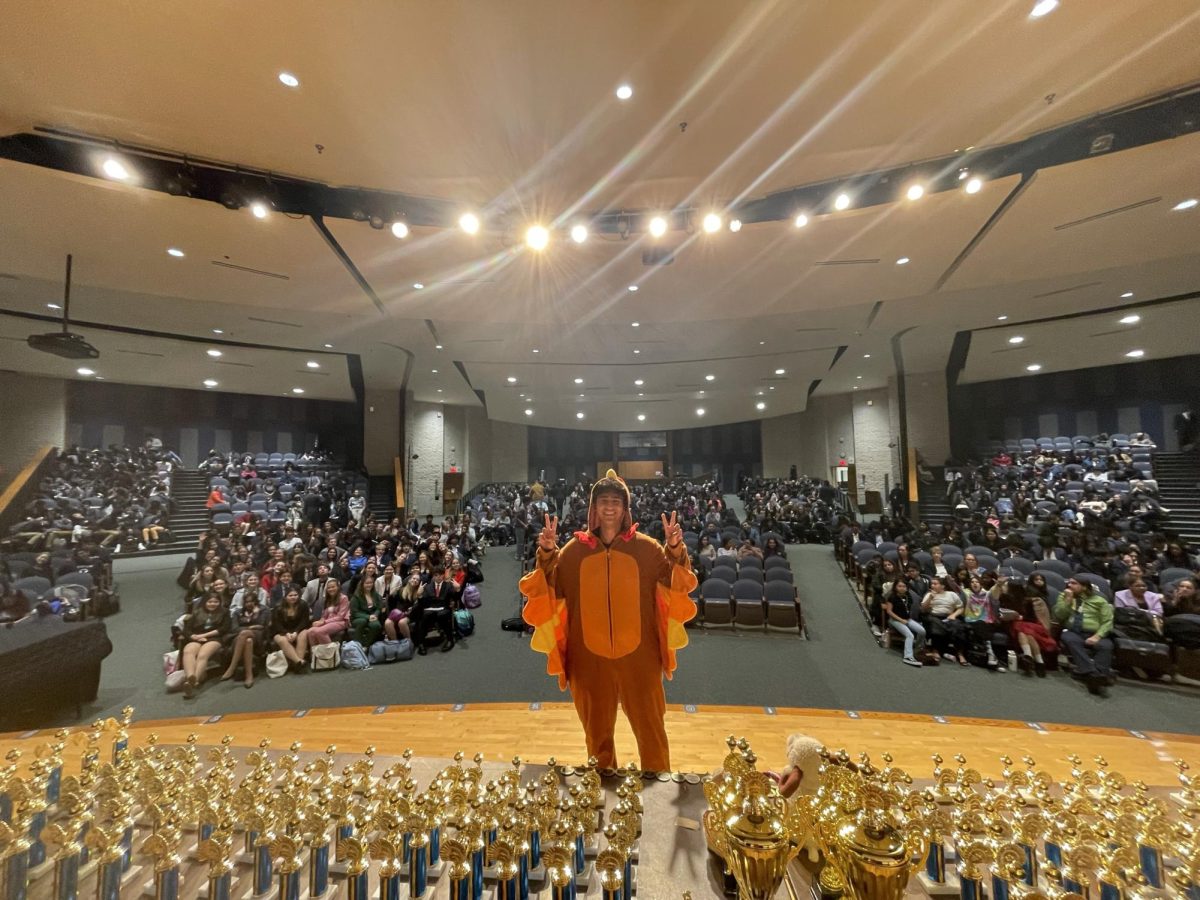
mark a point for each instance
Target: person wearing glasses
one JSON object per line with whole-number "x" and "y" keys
{"x": 1087, "y": 620}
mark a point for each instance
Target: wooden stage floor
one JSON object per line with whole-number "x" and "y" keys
{"x": 538, "y": 731}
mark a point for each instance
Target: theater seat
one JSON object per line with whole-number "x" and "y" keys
{"x": 783, "y": 611}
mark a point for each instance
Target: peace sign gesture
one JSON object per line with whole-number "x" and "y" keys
{"x": 548, "y": 537}
{"x": 671, "y": 529}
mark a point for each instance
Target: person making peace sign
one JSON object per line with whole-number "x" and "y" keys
{"x": 608, "y": 610}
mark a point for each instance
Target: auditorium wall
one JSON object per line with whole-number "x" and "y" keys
{"x": 811, "y": 440}
{"x": 1137, "y": 396}
{"x": 193, "y": 422}
{"x": 35, "y": 415}
{"x": 381, "y": 430}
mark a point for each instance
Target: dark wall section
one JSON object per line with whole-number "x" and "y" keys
{"x": 565, "y": 453}
{"x": 1141, "y": 396}
{"x": 193, "y": 422}
{"x": 733, "y": 450}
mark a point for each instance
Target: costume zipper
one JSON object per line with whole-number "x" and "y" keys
{"x": 612, "y": 646}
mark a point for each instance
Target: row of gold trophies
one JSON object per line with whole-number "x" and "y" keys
{"x": 461, "y": 828}
{"x": 868, "y": 830}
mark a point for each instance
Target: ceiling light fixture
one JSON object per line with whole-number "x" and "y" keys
{"x": 712, "y": 223}
{"x": 1033, "y": 367}
{"x": 327, "y": 346}
{"x": 1127, "y": 295}
{"x": 866, "y": 356}
{"x": 1001, "y": 318}
{"x": 658, "y": 226}
{"x": 313, "y": 364}
{"x": 438, "y": 347}
{"x": 289, "y": 79}
{"x": 1016, "y": 339}
{"x": 85, "y": 372}
{"x": 213, "y": 353}
{"x": 974, "y": 186}
{"x": 114, "y": 168}
{"x": 800, "y": 221}
{"x": 537, "y": 237}
{"x": 529, "y": 412}
{"x": 915, "y": 191}
{"x": 633, "y": 288}
{"x": 624, "y": 92}
{"x": 536, "y": 350}
{"x": 579, "y": 233}
{"x": 433, "y": 371}
{"x": 1042, "y": 7}
{"x": 639, "y": 382}
{"x": 400, "y": 230}
{"x": 902, "y": 261}
{"x": 637, "y": 351}
{"x": 1136, "y": 354}
{"x": 1185, "y": 204}
{"x": 771, "y": 387}
{"x": 579, "y": 415}
{"x": 210, "y": 383}
{"x": 469, "y": 222}
{"x": 175, "y": 252}
{"x": 579, "y": 381}
{"x": 222, "y": 331}
{"x": 700, "y": 410}
{"x": 635, "y": 324}
{"x": 259, "y": 209}
{"x": 512, "y": 379}
{"x": 641, "y": 417}
{"x": 842, "y": 201}
{"x": 53, "y": 306}
{"x": 1130, "y": 320}
{"x": 735, "y": 225}
{"x": 710, "y": 377}
{"x": 858, "y": 377}
{"x": 297, "y": 390}
{"x": 417, "y": 286}
{"x": 439, "y": 390}
{"x": 780, "y": 371}
{"x": 760, "y": 406}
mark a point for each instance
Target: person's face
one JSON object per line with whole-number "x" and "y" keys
{"x": 207, "y": 572}
{"x": 936, "y": 584}
{"x": 422, "y": 559}
{"x": 976, "y": 585}
{"x": 358, "y": 552}
{"x": 388, "y": 571}
{"x": 1037, "y": 581}
{"x": 969, "y": 561}
{"x": 368, "y": 584}
{"x": 1137, "y": 588}
{"x": 278, "y": 554}
{"x": 439, "y": 575}
{"x": 900, "y": 588}
{"x": 218, "y": 585}
{"x": 212, "y": 604}
{"x": 285, "y": 576}
{"x": 238, "y": 567}
{"x": 292, "y": 597}
{"x": 1185, "y": 590}
{"x": 252, "y": 583}
{"x": 332, "y": 589}
{"x": 1074, "y": 586}
{"x": 610, "y": 509}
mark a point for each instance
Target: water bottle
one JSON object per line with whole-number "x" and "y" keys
{"x": 1012, "y": 660}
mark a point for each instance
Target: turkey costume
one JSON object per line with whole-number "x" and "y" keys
{"x": 609, "y": 619}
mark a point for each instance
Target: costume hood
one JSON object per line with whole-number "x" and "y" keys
{"x": 611, "y": 483}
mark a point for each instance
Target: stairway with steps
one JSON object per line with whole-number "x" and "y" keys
{"x": 189, "y": 491}
{"x": 932, "y": 505}
{"x": 381, "y": 497}
{"x": 1178, "y": 476}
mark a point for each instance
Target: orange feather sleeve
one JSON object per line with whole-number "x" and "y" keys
{"x": 547, "y": 615}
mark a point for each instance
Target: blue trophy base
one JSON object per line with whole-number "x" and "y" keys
{"x": 948, "y": 888}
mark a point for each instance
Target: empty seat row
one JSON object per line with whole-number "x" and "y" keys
{"x": 747, "y": 604}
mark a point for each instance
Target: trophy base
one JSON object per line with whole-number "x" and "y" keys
{"x": 537, "y": 876}
{"x": 41, "y": 870}
{"x": 947, "y": 888}
{"x": 584, "y": 877}
{"x": 331, "y": 892}
{"x": 1181, "y": 799}
{"x": 435, "y": 871}
{"x": 591, "y": 847}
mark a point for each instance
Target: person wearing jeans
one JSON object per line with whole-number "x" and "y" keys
{"x": 897, "y": 608}
{"x": 1087, "y": 618}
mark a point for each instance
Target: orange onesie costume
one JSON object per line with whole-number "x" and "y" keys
{"x": 610, "y": 619}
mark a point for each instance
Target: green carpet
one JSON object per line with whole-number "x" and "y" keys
{"x": 841, "y": 667}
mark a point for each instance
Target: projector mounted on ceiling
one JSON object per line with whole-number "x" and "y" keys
{"x": 64, "y": 343}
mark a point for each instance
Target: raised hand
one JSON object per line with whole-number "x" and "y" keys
{"x": 548, "y": 536}
{"x": 671, "y": 530}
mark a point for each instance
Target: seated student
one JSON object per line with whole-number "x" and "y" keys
{"x": 249, "y": 586}
{"x": 365, "y": 608}
{"x": 981, "y": 613}
{"x": 727, "y": 548}
{"x": 1087, "y": 618}
{"x": 1136, "y": 596}
{"x": 248, "y": 640}
{"x": 434, "y": 607}
{"x": 334, "y": 620}
{"x": 897, "y": 608}
{"x": 942, "y": 609}
{"x": 288, "y": 622}
{"x": 1182, "y": 606}
{"x": 773, "y": 548}
{"x": 204, "y": 630}
{"x": 936, "y": 565}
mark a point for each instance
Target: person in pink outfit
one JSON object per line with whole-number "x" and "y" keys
{"x": 334, "y": 619}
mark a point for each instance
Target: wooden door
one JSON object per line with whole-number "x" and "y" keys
{"x": 452, "y": 491}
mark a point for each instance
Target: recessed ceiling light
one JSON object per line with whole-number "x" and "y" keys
{"x": 581, "y": 396}
{"x": 641, "y": 393}
{"x": 438, "y": 347}
{"x": 210, "y": 383}
{"x": 1042, "y": 7}
{"x": 537, "y": 237}
{"x": 635, "y": 324}
{"x": 658, "y": 226}
{"x": 760, "y": 393}
{"x": 710, "y": 377}
{"x": 439, "y": 390}
{"x": 842, "y": 202}
{"x": 762, "y": 343}
{"x": 902, "y": 261}
{"x": 579, "y": 233}
{"x": 579, "y": 415}
{"x": 780, "y": 371}
{"x": 1001, "y": 318}
{"x": 639, "y": 381}
{"x": 856, "y": 387}
{"x": 760, "y": 406}
{"x": 214, "y": 353}
{"x": 327, "y": 346}
{"x": 712, "y": 223}
{"x": 114, "y": 168}
{"x": 641, "y": 417}
{"x": 522, "y": 396}
{"x": 297, "y": 390}
{"x": 512, "y": 379}
{"x": 915, "y": 191}
{"x": 1127, "y": 295}
{"x": 866, "y": 356}
{"x": 536, "y": 350}
{"x": 1136, "y": 354}
{"x": 53, "y": 306}
{"x": 1185, "y": 204}
{"x": 1033, "y": 367}
{"x": 700, "y": 410}
{"x": 222, "y": 331}
{"x": 1130, "y": 320}
{"x": 433, "y": 371}
{"x": 624, "y": 92}
{"x": 289, "y": 79}
{"x": 637, "y": 351}
{"x": 771, "y": 387}
{"x": 579, "y": 381}
{"x": 735, "y": 225}
{"x": 974, "y": 186}
{"x": 858, "y": 377}
{"x": 1016, "y": 339}
{"x": 85, "y": 371}
{"x": 529, "y": 412}
{"x": 259, "y": 209}
{"x": 175, "y": 252}
{"x": 800, "y": 221}
{"x": 469, "y": 222}
{"x": 313, "y": 364}
{"x": 633, "y": 288}
{"x": 417, "y": 286}
{"x": 400, "y": 229}
{"x": 701, "y": 393}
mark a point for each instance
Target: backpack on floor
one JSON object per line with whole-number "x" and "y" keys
{"x": 354, "y": 656}
{"x": 386, "y": 651}
{"x": 464, "y": 622}
{"x": 516, "y": 623}
{"x": 471, "y": 597}
{"x": 326, "y": 656}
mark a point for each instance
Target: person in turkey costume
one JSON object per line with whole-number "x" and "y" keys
{"x": 608, "y": 610}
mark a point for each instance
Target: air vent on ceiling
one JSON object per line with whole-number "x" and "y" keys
{"x": 846, "y": 262}
{"x": 250, "y": 271}
{"x": 1114, "y": 331}
{"x": 1108, "y": 212}
{"x": 274, "y": 322}
{"x": 141, "y": 353}
{"x": 1067, "y": 290}
{"x": 1008, "y": 349}
{"x": 222, "y": 362}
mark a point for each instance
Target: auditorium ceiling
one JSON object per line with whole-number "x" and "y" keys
{"x": 511, "y": 106}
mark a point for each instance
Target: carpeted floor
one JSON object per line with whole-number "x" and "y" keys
{"x": 840, "y": 667}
